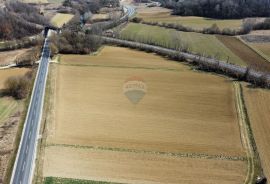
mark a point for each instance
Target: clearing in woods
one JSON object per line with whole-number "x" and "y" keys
{"x": 61, "y": 18}
{"x": 186, "y": 122}
{"x": 158, "y": 14}
{"x": 257, "y": 102}
{"x": 197, "y": 42}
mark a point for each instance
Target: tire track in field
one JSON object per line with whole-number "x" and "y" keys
{"x": 246, "y": 133}
{"x": 180, "y": 155}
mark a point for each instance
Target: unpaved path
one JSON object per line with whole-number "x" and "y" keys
{"x": 245, "y": 134}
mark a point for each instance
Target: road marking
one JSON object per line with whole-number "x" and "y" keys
{"x": 23, "y": 165}
{"x": 27, "y": 148}
{"x": 30, "y": 134}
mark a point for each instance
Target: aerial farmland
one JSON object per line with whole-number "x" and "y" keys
{"x": 156, "y": 133}
{"x": 134, "y": 92}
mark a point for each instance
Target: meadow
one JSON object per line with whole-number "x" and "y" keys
{"x": 158, "y": 14}
{"x": 197, "y": 42}
{"x": 60, "y": 19}
{"x": 186, "y": 122}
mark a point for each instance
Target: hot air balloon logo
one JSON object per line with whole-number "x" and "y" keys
{"x": 135, "y": 89}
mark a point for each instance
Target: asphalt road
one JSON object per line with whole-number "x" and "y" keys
{"x": 129, "y": 9}
{"x": 25, "y": 160}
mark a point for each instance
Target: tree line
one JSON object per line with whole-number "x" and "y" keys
{"x": 91, "y": 5}
{"x": 248, "y": 74}
{"x": 219, "y": 8}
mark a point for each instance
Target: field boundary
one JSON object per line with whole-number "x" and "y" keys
{"x": 124, "y": 67}
{"x": 247, "y": 138}
{"x": 54, "y": 180}
{"x": 206, "y": 30}
{"x": 180, "y": 155}
{"x": 254, "y": 49}
{"x": 255, "y": 77}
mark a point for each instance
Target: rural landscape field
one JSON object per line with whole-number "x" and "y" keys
{"x": 134, "y": 92}
{"x": 156, "y": 132}
{"x": 158, "y": 14}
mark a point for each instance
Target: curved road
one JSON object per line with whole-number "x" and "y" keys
{"x": 129, "y": 10}
{"x": 25, "y": 161}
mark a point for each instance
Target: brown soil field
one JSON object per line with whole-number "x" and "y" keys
{"x": 159, "y": 14}
{"x": 105, "y": 137}
{"x": 4, "y": 74}
{"x": 132, "y": 167}
{"x": 201, "y": 104}
{"x": 248, "y": 55}
{"x": 257, "y": 102}
{"x": 110, "y": 57}
{"x": 262, "y": 47}
{"x": 8, "y": 57}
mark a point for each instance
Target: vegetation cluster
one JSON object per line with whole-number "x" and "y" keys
{"x": 19, "y": 86}
{"x": 19, "y": 20}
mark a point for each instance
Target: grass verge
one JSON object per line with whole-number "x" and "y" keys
{"x": 54, "y": 180}
{"x": 253, "y": 159}
{"x": 38, "y": 176}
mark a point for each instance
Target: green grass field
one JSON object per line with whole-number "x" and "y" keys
{"x": 198, "y": 43}
{"x": 53, "y": 180}
{"x": 7, "y": 107}
{"x": 61, "y": 18}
